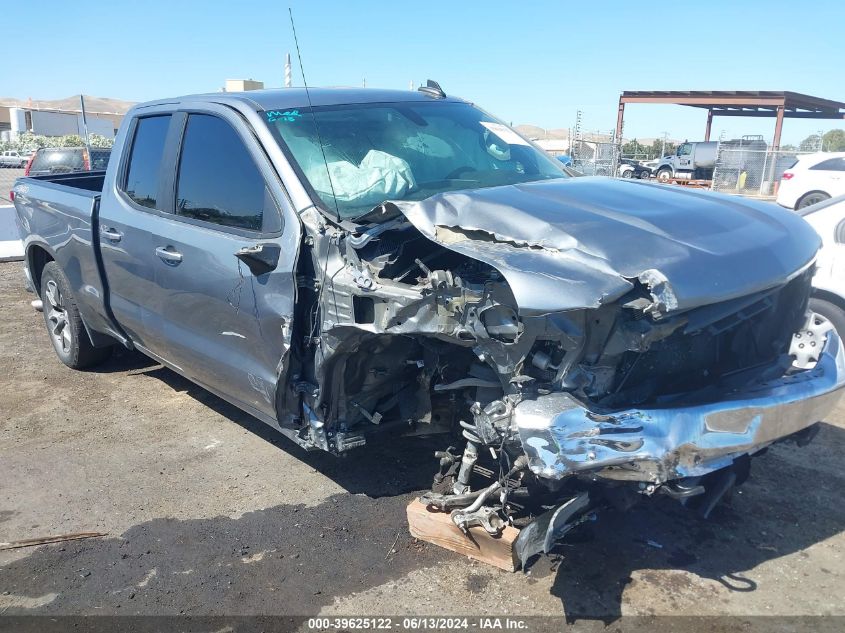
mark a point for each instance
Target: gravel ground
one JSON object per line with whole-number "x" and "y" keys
{"x": 210, "y": 512}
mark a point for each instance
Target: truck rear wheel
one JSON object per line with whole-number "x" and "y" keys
{"x": 64, "y": 324}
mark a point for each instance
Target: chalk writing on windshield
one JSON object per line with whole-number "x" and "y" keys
{"x": 289, "y": 116}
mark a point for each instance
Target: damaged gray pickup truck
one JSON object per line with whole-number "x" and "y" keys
{"x": 359, "y": 262}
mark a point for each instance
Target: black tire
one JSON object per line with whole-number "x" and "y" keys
{"x": 628, "y": 173}
{"x": 831, "y": 312}
{"x": 64, "y": 325}
{"x": 814, "y": 197}
{"x": 645, "y": 175}
{"x": 663, "y": 175}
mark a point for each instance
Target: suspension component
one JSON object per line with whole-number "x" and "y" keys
{"x": 467, "y": 462}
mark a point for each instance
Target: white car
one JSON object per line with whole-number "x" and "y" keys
{"x": 12, "y": 158}
{"x": 828, "y": 298}
{"x": 814, "y": 178}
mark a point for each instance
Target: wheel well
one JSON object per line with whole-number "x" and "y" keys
{"x": 828, "y": 296}
{"x": 37, "y": 258}
{"x": 809, "y": 193}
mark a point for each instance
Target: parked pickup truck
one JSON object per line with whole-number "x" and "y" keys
{"x": 367, "y": 262}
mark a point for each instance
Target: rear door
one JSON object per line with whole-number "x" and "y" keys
{"x": 128, "y": 209}
{"x": 224, "y": 325}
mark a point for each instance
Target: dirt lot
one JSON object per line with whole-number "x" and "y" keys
{"x": 208, "y": 511}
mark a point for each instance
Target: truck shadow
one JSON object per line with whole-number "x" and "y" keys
{"x": 790, "y": 503}
{"x": 387, "y": 466}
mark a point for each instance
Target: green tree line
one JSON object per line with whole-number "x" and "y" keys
{"x": 27, "y": 142}
{"x": 831, "y": 141}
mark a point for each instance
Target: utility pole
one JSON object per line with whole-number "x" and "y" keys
{"x": 578, "y": 138}
{"x": 85, "y": 128}
{"x": 663, "y": 144}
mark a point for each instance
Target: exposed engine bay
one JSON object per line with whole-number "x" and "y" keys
{"x": 548, "y": 414}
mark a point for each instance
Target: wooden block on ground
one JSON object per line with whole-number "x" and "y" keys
{"x": 438, "y": 528}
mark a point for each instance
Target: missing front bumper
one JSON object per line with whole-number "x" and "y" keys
{"x": 561, "y": 437}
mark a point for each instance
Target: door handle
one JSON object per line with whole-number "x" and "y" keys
{"x": 113, "y": 235}
{"x": 167, "y": 255}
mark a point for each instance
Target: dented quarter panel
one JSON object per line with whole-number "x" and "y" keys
{"x": 579, "y": 242}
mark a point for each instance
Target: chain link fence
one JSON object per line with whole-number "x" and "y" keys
{"x": 596, "y": 158}
{"x": 751, "y": 172}
{"x": 8, "y": 175}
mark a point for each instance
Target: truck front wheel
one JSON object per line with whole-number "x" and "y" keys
{"x": 64, "y": 325}
{"x": 831, "y": 312}
{"x": 663, "y": 175}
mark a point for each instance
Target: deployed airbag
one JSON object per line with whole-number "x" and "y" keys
{"x": 378, "y": 177}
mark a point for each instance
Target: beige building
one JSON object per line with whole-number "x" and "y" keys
{"x": 242, "y": 85}
{"x": 59, "y": 117}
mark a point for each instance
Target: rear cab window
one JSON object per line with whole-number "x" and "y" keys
{"x": 143, "y": 172}
{"x": 59, "y": 160}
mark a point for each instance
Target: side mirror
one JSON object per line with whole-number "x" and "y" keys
{"x": 260, "y": 258}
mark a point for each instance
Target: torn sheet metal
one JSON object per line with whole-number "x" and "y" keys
{"x": 691, "y": 248}
{"x": 562, "y": 437}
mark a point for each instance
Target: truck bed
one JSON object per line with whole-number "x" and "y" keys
{"x": 59, "y": 217}
{"x": 90, "y": 181}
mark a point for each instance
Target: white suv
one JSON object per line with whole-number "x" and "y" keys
{"x": 814, "y": 178}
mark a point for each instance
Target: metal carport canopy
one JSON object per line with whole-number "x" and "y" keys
{"x": 752, "y": 103}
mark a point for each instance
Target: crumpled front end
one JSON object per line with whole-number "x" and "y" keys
{"x": 562, "y": 437}
{"x": 586, "y": 356}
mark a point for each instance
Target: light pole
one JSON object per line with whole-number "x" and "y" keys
{"x": 663, "y": 144}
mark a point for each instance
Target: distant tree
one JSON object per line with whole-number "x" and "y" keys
{"x": 633, "y": 147}
{"x": 654, "y": 150}
{"x": 810, "y": 144}
{"x": 834, "y": 141}
{"x": 630, "y": 147}
{"x": 789, "y": 147}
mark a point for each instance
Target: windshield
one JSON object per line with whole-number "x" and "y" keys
{"x": 403, "y": 151}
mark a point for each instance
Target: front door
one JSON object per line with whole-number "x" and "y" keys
{"x": 685, "y": 157}
{"x": 225, "y": 324}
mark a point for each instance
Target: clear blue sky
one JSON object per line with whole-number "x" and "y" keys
{"x": 527, "y": 62}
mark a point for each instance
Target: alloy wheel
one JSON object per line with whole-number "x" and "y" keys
{"x": 57, "y": 317}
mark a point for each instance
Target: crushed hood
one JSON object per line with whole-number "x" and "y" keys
{"x": 580, "y": 242}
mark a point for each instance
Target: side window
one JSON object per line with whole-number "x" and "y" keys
{"x": 218, "y": 181}
{"x": 142, "y": 175}
{"x": 685, "y": 150}
{"x": 831, "y": 164}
